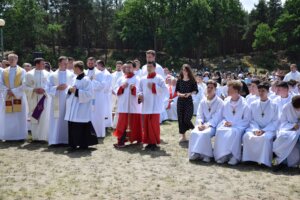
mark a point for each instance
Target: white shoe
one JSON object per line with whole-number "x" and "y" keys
{"x": 194, "y": 156}
{"x": 206, "y": 159}
{"x": 233, "y": 161}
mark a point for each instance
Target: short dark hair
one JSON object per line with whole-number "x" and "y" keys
{"x": 212, "y": 82}
{"x": 292, "y": 82}
{"x": 296, "y": 101}
{"x": 79, "y": 64}
{"x": 255, "y": 81}
{"x": 71, "y": 59}
{"x": 38, "y": 60}
{"x": 264, "y": 85}
{"x": 91, "y": 58}
{"x": 101, "y": 62}
{"x": 61, "y": 58}
{"x": 152, "y": 52}
{"x": 283, "y": 84}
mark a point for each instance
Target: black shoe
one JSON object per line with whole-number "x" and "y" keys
{"x": 277, "y": 168}
{"x": 83, "y": 147}
{"x": 153, "y": 147}
{"x": 149, "y": 146}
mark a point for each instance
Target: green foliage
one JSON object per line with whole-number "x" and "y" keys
{"x": 263, "y": 37}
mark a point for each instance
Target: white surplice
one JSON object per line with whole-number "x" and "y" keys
{"x": 128, "y": 103}
{"x": 115, "y": 77}
{"x": 286, "y": 145}
{"x": 58, "y": 133}
{"x": 16, "y": 122}
{"x": 172, "y": 111}
{"x": 228, "y": 139}
{"x": 158, "y": 69}
{"x": 38, "y": 79}
{"x": 100, "y": 101}
{"x": 108, "y": 98}
{"x": 154, "y": 103}
{"x": 209, "y": 113}
{"x": 260, "y": 148}
{"x": 292, "y": 75}
{"x": 78, "y": 109}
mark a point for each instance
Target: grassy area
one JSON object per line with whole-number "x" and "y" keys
{"x": 35, "y": 171}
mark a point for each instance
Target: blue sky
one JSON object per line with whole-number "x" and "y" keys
{"x": 249, "y": 4}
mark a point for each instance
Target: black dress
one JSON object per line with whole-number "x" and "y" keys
{"x": 185, "y": 107}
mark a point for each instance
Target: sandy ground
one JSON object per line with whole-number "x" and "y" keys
{"x": 35, "y": 171}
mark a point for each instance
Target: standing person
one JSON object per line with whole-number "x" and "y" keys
{"x": 137, "y": 66}
{"x": 235, "y": 119}
{"x": 208, "y": 117}
{"x": 129, "y": 110}
{"x": 70, "y": 64}
{"x": 258, "y": 139}
{"x": 115, "y": 76}
{"x": 152, "y": 91}
{"x": 100, "y": 103}
{"x": 36, "y": 82}
{"x": 284, "y": 96}
{"x": 185, "y": 87}
{"x": 172, "y": 101}
{"x": 287, "y": 146}
{"x": 107, "y": 93}
{"x": 293, "y": 74}
{"x": 91, "y": 68}
{"x": 2, "y": 104}
{"x": 15, "y": 116}
{"x": 78, "y": 111}
{"x": 59, "y": 83}
{"x": 27, "y": 67}
{"x": 151, "y": 57}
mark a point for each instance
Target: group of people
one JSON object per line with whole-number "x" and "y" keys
{"x": 250, "y": 117}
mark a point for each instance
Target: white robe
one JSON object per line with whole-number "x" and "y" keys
{"x": 158, "y": 69}
{"x": 281, "y": 102}
{"x": 285, "y": 146}
{"x": 100, "y": 86}
{"x": 172, "y": 112}
{"x": 78, "y": 109}
{"x": 200, "y": 141}
{"x": 38, "y": 79}
{"x": 251, "y": 98}
{"x": 292, "y": 75}
{"x": 108, "y": 98}
{"x": 128, "y": 103}
{"x": 228, "y": 139}
{"x": 260, "y": 148}
{"x": 115, "y": 77}
{"x": 197, "y": 98}
{"x": 153, "y": 103}
{"x": 15, "y": 123}
{"x": 58, "y": 133}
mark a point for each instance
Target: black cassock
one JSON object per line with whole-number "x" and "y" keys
{"x": 82, "y": 134}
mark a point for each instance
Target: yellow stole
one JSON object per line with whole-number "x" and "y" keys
{"x": 13, "y": 104}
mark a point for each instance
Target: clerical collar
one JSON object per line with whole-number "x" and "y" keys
{"x": 151, "y": 75}
{"x": 129, "y": 75}
{"x": 92, "y": 68}
{"x": 80, "y": 76}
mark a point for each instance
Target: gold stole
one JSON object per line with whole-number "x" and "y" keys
{"x": 13, "y": 104}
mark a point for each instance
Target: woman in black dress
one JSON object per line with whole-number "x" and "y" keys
{"x": 185, "y": 87}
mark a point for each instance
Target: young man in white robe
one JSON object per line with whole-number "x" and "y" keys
{"x": 36, "y": 82}
{"x": 15, "y": 115}
{"x": 258, "y": 139}
{"x": 208, "y": 117}
{"x": 137, "y": 68}
{"x": 152, "y": 90}
{"x": 115, "y": 76}
{"x": 100, "y": 102}
{"x": 293, "y": 74}
{"x": 107, "y": 93}
{"x": 129, "y": 127}
{"x": 287, "y": 145}
{"x": 253, "y": 96}
{"x": 151, "y": 57}
{"x": 284, "y": 96}
{"x": 59, "y": 83}
{"x": 78, "y": 111}
{"x": 235, "y": 119}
